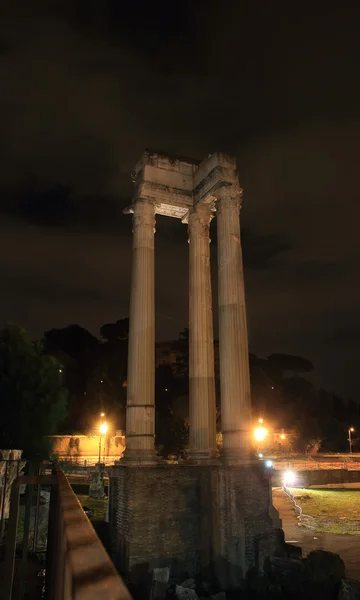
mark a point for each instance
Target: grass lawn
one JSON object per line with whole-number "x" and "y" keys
{"x": 96, "y": 504}
{"x": 335, "y": 504}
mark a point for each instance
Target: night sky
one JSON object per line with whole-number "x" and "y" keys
{"x": 87, "y": 86}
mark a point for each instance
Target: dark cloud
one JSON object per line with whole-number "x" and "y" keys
{"x": 347, "y": 337}
{"x": 87, "y": 85}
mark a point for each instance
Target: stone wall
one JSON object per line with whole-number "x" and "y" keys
{"x": 316, "y": 477}
{"x": 77, "y": 448}
{"x": 210, "y": 520}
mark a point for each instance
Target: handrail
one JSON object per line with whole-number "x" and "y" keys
{"x": 82, "y": 568}
{"x": 77, "y": 564}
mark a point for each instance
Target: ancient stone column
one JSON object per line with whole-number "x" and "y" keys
{"x": 201, "y": 340}
{"x": 233, "y": 339}
{"x": 140, "y": 406}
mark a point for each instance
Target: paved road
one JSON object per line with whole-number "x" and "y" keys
{"x": 348, "y": 546}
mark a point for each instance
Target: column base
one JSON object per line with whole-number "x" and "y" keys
{"x": 202, "y": 457}
{"x": 135, "y": 457}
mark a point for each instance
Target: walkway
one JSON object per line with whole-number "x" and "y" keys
{"x": 347, "y": 546}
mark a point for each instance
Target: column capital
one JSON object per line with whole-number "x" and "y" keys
{"x": 230, "y": 196}
{"x": 199, "y": 219}
{"x": 143, "y": 211}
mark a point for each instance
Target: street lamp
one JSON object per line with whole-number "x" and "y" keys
{"x": 351, "y": 430}
{"x": 260, "y": 434}
{"x": 102, "y": 429}
{"x": 289, "y": 478}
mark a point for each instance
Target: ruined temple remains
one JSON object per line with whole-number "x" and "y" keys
{"x": 210, "y": 515}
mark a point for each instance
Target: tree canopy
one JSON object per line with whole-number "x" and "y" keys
{"x": 33, "y": 398}
{"x": 288, "y": 362}
{"x": 94, "y": 374}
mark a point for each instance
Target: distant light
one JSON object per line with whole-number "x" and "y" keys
{"x": 352, "y": 429}
{"x": 101, "y": 381}
{"x": 269, "y": 464}
{"x": 103, "y": 428}
{"x": 283, "y": 436}
{"x": 260, "y": 455}
{"x": 272, "y": 387}
{"x": 260, "y": 434}
{"x": 166, "y": 389}
{"x": 102, "y": 414}
{"x": 60, "y": 370}
{"x": 289, "y": 478}
{"x": 261, "y": 420}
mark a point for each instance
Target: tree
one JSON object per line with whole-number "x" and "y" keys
{"x": 94, "y": 373}
{"x": 78, "y": 351}
{"x": 33, "y": 398}
{"x": 280, "y": 364}
{"x": 115, "y": 331}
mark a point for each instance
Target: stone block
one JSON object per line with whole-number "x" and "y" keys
{"x": 210, "y": 521}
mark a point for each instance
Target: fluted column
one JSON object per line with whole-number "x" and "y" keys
{"x": 233, "y": 339}
{"x": 201, "y": 340}
{"x": 140, "y": 406}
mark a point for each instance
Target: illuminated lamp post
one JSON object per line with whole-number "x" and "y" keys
{"x": 351, "y": 430}
{"x": 102, "y": 429}
{"x": 260, "y": 433}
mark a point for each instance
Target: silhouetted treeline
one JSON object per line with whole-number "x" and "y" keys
{"x": 94, "y": 372}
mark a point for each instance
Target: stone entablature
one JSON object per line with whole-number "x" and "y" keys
{"x": 177, "y": 184}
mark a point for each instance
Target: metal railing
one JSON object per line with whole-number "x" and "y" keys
{"x": 77, "y": 564}
{"x": 296, "y": 506}
{"x": 315, "y": 466}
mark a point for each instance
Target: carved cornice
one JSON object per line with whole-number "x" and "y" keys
{"x": 171, "y": 210}
{"x": 176, "y": 185}
{"x": 217, "y": 178}
{"x": 164, "y": 195}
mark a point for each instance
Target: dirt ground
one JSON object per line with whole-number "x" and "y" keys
{"x": 347, "y": 546}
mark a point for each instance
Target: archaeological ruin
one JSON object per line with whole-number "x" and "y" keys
{"x": 210, "y": 516}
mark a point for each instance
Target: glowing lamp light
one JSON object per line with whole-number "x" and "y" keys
{"x": 269, "y": 464}
{"x": 260, "y": 455}
{"x": 260, "y": 434}
{"x": 289, "y": 478}
{"x": 261, "y": 420}
{"x": 103, "y": 428}
{"x": 282, "y": 436}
